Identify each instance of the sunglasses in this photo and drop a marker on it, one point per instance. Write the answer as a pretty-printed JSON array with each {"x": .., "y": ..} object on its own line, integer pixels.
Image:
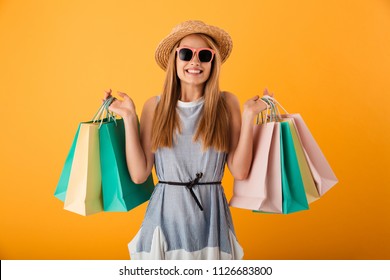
[{"x": 204, "y": 54}]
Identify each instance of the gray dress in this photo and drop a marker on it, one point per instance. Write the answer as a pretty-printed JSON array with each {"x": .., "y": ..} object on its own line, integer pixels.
[{"x": 174, "y": 226}]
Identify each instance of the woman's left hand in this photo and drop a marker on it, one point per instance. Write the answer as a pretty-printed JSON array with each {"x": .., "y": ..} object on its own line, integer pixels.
[{"x": 255, "y": 105}]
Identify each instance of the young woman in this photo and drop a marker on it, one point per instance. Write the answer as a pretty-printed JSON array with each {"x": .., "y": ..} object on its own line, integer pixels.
[{"x": 189, "y": 133}]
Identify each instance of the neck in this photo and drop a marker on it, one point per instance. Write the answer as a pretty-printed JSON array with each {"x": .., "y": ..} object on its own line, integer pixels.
[{"x": 191, "y": 93}]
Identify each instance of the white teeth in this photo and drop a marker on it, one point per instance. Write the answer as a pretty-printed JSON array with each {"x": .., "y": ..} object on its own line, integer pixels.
[{"x": 193, "y": 71}]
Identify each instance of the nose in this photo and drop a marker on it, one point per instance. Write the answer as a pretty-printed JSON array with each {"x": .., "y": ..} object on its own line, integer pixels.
[{"x": 195, "y": 58}]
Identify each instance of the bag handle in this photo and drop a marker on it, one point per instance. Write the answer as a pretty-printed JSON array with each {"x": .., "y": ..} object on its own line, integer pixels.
[
  {"x": 274, "y": 110},
  {"x": 103, "y": 112},
  {"x": 261, "y": 113},
  {"x": 271, "y": 112},
  {"x": 274, "y": 101}
]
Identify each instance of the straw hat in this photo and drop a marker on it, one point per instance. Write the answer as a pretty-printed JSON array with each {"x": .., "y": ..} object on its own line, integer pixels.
[{"x": 221, "y": 38}]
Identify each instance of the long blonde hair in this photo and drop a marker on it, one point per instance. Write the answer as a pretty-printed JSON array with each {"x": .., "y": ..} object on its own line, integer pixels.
[{"x": 213, "y": 127}]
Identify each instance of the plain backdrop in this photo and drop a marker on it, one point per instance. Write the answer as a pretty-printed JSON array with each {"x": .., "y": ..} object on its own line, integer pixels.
[{"x": 328, "y": 60}]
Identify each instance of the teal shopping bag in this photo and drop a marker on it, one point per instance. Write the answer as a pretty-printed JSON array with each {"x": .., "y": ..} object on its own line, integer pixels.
[
  {"x": 120, "y": 193},
  {"x": 62, "y": 185},
  {"x": 293, "y": 191}
]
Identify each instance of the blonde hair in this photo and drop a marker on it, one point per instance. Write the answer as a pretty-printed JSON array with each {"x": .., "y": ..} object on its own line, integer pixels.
[{"x": 213, "y": 127}]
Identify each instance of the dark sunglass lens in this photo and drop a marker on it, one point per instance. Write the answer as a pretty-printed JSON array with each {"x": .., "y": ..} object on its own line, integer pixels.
[
  {"x": 185, "y": 54},
  {"x": 205, "y": 55}
]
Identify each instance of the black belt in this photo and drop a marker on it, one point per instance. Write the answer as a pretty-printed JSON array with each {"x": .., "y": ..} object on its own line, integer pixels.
[{"x": 190, "y": 185}]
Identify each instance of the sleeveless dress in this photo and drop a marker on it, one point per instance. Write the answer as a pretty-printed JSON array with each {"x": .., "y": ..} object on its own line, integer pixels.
[{"x": 174, "y": 226}]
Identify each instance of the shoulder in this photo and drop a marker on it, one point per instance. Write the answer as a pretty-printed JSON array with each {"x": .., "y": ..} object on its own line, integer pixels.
[
  {"x": 231, "y": 100},
  {"x": 152, "y": 101},
  {"x": 151, "y": 104},
  {"x": 149, "y": 107}
]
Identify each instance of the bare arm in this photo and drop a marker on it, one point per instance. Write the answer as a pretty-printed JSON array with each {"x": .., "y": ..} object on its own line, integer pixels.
[
  {"x": 240, "y": 154},
  {"x": 139, "y": 155}
]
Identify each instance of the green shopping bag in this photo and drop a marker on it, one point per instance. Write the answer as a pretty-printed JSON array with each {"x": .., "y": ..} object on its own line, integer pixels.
[
  {"x": 293, "y": 191},
  {"x": 120, "y": 193},
  {"x": 62, "y": 185},
  {"x": 96, "y": 164}
]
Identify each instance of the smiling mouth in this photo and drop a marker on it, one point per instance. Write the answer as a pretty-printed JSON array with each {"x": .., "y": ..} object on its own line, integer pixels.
[{"x": 193, "y": 71}]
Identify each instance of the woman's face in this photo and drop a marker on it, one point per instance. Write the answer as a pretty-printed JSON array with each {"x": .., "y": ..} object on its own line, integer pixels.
[{"x": 193, "y": 72}]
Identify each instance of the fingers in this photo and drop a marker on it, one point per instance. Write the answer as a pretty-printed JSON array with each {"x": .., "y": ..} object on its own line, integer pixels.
[
  {"x": 122, "y": 94},
  {"x": 113, "y": 103},
  {"x": 107, "y": 93},
  {"x": 116, "y": 102},
  {"x": 126, "y": 98},
  {"x": 266, "y": 92}
]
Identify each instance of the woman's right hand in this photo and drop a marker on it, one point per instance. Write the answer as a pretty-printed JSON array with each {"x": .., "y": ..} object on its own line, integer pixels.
[{"x": 123, "y": 108}]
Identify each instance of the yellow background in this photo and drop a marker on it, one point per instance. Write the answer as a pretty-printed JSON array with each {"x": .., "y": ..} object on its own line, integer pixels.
[{"x": 327, "y": 59}]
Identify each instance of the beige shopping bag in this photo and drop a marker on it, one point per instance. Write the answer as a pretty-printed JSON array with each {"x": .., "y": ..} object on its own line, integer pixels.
[{"x": 84, "y": 193}]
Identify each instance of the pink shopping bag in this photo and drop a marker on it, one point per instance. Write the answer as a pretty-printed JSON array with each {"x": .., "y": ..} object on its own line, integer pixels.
[{"x": 262, "y": 190}]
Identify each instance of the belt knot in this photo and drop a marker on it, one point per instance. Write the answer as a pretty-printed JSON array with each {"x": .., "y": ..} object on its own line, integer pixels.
[{"x": 194, "y": 182}]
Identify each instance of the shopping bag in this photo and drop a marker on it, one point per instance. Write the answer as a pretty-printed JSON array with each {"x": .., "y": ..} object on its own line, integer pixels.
[
  {"x": 262, "y": 190},
  {"x": 307, "y": 178},
  {"x": 62, "y": 185},
  {"x": 84, "y": 195},
  {"x": 321, "y": 171},
  {"x": 79, "y": 186},
  {"x": 294, "y": 196},
  {"x": 120, "y": 193},
  {"x": 305, "y": 174}
]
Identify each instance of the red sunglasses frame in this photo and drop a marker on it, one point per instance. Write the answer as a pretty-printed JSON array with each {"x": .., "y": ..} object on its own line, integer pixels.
[{"x": 195, "y": 51}]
